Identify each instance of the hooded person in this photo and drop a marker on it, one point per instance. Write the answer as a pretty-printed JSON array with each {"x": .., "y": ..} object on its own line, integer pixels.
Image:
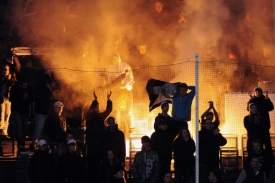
[
  {"x": 120, "y": 72},
  {"x": 120, "y": 79}
]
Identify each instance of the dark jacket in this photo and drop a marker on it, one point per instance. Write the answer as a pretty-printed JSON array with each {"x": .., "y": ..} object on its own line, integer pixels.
[
  {"x": 146, "y": 165},
  {"x": 172, "y": 129},
  {"x": 108, "y": 170},
  {"x": 209, "y": 147},
  {"x": 252, "y": 178},
  {"x": 264, "y": 159},
  {"x": 18, "y": 103},
  {"x": 184, "y": 152},
  {"x": 75, "y": 117},
  {"x": 42, "y": 99},
  {"x": 41, "y": 167},
  {"x": 264, "y": 106},
  {"x": 71, "y": 169},
  {"x": 254, "y": 126},
  {"x": 113, "y": 141},
  {"x": 95, "y": 124},
  {"x": 55, "y": 128},
  {"x": 162, "y": 142}
]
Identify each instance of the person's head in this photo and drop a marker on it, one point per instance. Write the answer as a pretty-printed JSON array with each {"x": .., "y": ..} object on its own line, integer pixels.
[
  {"x": 258, "y": 91},
  {"x": 184, "y": 133},
  {"x": 145, "y": 141},
  {"x": 95, "y": 106},
  {"x": 58, "y": 107},
  {"x": 167, "y": 177},
  {"x": 6, "y": 70},
  {"x": 142, "y": 49},
  {"x": 158, "y": 6},
  {"x": 253, "y": 108},
  {"x": 111, "y": 123},
  {"x": 115, "y": 59},
  {"x": 162, "y": 124},
  {"x": 209, "y": 116},
  {"x": 110, "y": 155},
  {"x": 183, "y": 88},
  {"x": 164, "y": 107},
  {"x": 254, "y": 162},
  {"x": 69, "y": 135},
  {"x": 207, "y": 124},
  {"x": 42, "y": 145},
  {"x": 257, "y": 146},
  {"x": 22, "y": 82},
  {"x": 214, "y": 175},
  {"x": 71, "y": 144}
]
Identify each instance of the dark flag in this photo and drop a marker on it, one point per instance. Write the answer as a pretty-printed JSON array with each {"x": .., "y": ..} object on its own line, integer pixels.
[{"x": 160, "y": 91}]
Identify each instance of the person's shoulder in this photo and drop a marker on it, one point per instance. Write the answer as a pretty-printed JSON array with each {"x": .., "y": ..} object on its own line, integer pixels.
[
  {"x": 178, "y": 140},
  {"x": 191, "y": 141},
  {"x": 120, "y": 132},
  {"x": 158, "y": 116},
  {"x": 154, "y": 133},
  {"x": 139, "y": 154},
  {"x": 246, "y": 117}
]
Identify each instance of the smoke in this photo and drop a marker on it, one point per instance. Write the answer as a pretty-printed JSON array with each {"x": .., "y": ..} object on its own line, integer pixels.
[{"x": 83, "y": 34}]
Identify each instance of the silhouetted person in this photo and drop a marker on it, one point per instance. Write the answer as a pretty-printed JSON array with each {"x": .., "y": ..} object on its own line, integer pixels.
[
  {"x": 214, "y": 176},
  {"x": 42, "y": 165},
  {"x": 209, "y": 147},
  {"x": 184, "y": 160},
  {"x": 254, "y": 126},
  {"x": 56, "y": 125},
  {"x": 113, "y": 138},
  {"x": 264, "y": 106},
  {"x": 70, "y": 166},
  {"x": 161, "y": 142},
  {"x": 171, "y": 126},
  {"x": 111, "y": 170},
  {"x": 8, "y": 80},
  {"x": 22, "y": 98},
  {"x": 94, "y": 129},
  {"x": 62, "y": 147},
  {"x": 208, "y": 114},
  {"x": 43, "y": 93}
]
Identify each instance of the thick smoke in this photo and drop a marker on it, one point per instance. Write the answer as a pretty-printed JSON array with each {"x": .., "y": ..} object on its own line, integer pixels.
[{"x": 83, "y": 34}]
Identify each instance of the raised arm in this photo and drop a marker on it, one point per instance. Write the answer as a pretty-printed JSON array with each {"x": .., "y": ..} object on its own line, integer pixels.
[
  {"x": 193, "y": 90},
  {"x": 17, "y": 63},
  {"x": 129, "y": 78},
  {"x": 109, "y": 107},
  {"x": 204, "y": 114}
]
